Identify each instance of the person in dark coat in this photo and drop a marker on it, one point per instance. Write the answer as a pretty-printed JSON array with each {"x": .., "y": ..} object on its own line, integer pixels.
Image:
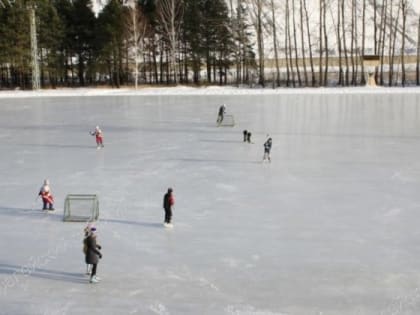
[
  {"x": 168, "y": 202},
  {"x": 245, "y": 133},
  {"x": 92, "y": 253},
  {"x": 248, "y": 137},
  {"x": 267, "y": 149},
  {"x": 221, "y": 114}
]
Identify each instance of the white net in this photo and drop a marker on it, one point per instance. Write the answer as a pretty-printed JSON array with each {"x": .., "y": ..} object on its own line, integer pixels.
[
  {"x": 81, "y": 208},
  {"x": 228, "y": 121}
]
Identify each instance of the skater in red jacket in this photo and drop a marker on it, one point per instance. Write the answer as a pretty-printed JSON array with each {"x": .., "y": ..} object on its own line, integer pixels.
[
  {"x": 99, "y": 137},
  {"x": 47, "y": 197}
]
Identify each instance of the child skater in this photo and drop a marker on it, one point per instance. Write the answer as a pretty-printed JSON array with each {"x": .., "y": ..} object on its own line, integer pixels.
[
  {"x": 47, "y": 197},
  {"x": 99, "y": 137}
]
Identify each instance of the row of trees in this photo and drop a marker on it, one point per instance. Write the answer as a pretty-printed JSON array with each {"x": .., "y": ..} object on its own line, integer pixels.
[{"x": 281, "y": 43}]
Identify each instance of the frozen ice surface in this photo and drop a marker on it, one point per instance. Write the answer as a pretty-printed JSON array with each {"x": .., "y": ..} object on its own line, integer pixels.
[{"x": 329, "y": 227}]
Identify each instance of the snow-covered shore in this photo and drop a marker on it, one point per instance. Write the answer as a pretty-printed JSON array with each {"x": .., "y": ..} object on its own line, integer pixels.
[{"x": 214, "y": 90}]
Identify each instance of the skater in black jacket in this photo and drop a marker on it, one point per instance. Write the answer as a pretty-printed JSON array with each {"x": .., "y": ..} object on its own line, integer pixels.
[{"x": 168, "y": 202}]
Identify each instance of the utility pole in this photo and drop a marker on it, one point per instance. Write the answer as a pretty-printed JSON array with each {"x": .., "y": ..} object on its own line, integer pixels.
[{"x": 34, "y": 49}]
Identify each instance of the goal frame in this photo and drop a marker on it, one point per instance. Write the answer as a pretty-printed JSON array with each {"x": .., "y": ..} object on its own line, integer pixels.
[
  {"x": 92, "y": 213},
  {"x": 228, "y": 121}
]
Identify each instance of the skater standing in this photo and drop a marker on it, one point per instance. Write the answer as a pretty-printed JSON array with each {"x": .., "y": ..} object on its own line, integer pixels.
[
  {"x": 99, "y": 137},
  {"x": 267, "y": 149},
  {"x": 222, "y": 110},
  {"x": 92, "y": 253},
  {"x": 168, "y": 202},
  {"x": 248, "y": 137},
  {"x": 87, "y": 231},
  {"x": 47, "y": 197},
  {"x": 245, "y": 133}
]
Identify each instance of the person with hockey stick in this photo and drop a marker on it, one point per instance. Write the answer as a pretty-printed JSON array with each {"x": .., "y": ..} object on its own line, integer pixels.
[
  {"x": 92, "y": 253},
  {"x": 46, "y": 196},
  {"x": 220, "y": 116},
  {"x": 267, "y": 149},
  {"x": 99, "y": 137},
  {"x": 168, "y": 202}
]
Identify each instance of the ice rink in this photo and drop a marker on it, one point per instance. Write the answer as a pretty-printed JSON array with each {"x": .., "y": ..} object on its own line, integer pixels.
[{"x": 330, "y": 227}]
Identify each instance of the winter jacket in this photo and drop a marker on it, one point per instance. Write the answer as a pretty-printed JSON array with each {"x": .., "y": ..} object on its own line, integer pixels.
[
  {"x": 168, "y": 201},
  {"x": 92, "y": 252}
]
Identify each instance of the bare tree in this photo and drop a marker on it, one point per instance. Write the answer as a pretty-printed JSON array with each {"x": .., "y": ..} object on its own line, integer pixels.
[
  {"x": 363, "y": 79},
  {"x": 404, "y": 9},
  {"x": 275, "y": 44},
  {"x": 340, "y": 59},
  {"x": 321, "y": 47},
  {"x": 286, "y": 42},
  {"x": 169, "y": 14},
  {"x": 324, "y": 18},
  {"x": 308, "y": 32},
  {"x": 289, "y": 42},
  {"x": 343, "y": 24},
  {"x": 418, "y": 53},
  {"x": 137, "y": 25},
  {"x": 384, "y": 17},
  {"x": 353, "y": 42},
  {"x": 302, "y": 43},
  {"x": 295, "y": 44},
  {"x": 258, "y": 24}
]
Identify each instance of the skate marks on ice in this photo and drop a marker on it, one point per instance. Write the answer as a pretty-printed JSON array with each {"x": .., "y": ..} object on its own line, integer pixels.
[
  {"x": 158, "y": 308},
  {"x": 224, "y": 161},
  {"x": 402, "y": 178},
  {"x": 226, "y": 187},
  {"x": 235, "y": 263},
  {"x": 133, "y": 222},
  {"x": 32, "y": 213},
  {"x": 249, "y": 310}
]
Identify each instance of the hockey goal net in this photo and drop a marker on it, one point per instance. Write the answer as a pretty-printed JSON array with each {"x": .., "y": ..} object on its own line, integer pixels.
[
  {"x": 228, "y": 121},
  {"x": 81, "y": 208}
]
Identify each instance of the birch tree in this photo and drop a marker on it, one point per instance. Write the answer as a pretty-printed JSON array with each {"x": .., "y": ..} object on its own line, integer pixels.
[{"x": 169, "y": 14}]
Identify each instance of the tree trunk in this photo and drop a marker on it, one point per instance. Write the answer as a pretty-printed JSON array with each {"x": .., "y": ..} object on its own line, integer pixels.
[
  {"x": 404, "y": 26},
  {"x": 343, "y": 24},
  {"x": 260, "y": 41},
  {"x": 363, "y": 77},
  {"x": 340, "y": 61},
  {"x": 321, "y": 47},
  {"x": 295, "y": 44},
  {"x": 418, "y": 54},
  {"x": 302, "y": 43},
  {"x": 308, "y": 32},
  {"x": 275, "y": 45},
  {"x": 384, "y": 18},
  {"x": 324, "y": 12}
]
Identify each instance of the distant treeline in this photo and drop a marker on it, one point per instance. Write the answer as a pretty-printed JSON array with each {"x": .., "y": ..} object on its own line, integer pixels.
[{"x": 242, "y": 42}]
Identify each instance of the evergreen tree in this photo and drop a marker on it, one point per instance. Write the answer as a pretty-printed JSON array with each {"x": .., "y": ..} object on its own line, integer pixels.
[
  {"x": 111, "y": 30},
  {"x": 50, "y": 36},
  {"x": 81, "y": 35},
  {"x": 193, "y": 27},
  {"x": 15, "y": 45}
]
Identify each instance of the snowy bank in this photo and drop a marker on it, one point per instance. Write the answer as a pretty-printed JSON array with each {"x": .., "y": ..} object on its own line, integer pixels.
[{"x": 214, "y": 90}]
